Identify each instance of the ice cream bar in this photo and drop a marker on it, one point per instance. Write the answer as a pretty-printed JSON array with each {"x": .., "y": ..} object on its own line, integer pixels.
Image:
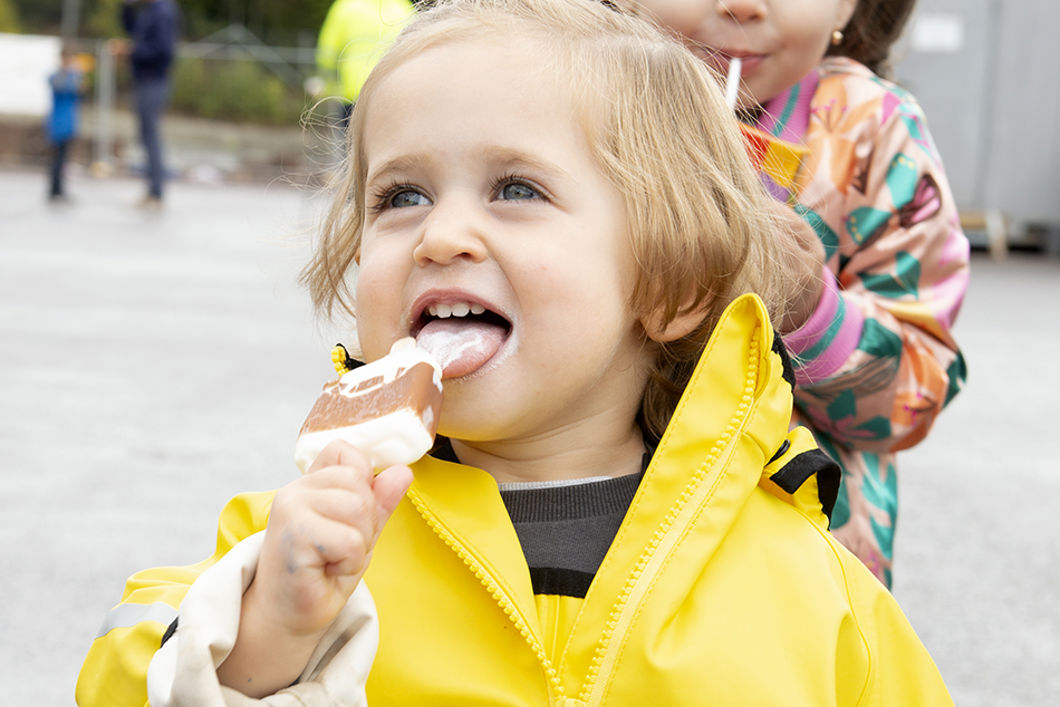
[{"x": 388, "y": 409}]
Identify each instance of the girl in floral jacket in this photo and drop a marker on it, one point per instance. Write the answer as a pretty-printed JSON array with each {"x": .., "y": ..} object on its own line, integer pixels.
[{"x": 850, "y": 152}]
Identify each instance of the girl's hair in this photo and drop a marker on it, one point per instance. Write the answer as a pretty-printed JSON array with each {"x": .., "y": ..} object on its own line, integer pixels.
[
  {"x": 873, "y": 28},
  {"x": 699, "y": 222}
]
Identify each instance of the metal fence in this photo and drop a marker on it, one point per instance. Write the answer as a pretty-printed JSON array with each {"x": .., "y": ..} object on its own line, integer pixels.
[{"x": 290, "y": 66}]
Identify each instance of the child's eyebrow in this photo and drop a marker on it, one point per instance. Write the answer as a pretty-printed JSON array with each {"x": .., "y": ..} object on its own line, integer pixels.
[
  {"x": 513, "y": 159},
  {"x": 396, "y": 165},
  {"x": 499, "y": 158}
]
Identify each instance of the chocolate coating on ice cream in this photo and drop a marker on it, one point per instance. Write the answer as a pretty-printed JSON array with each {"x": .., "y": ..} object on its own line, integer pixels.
[
  {"x": 388, "y": 409},
  {"x": 342, "y": 404}
]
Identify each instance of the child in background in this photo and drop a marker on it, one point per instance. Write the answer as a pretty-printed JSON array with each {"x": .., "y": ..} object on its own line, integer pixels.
[
  {"x": 616, "y": 511},
  {"x": 875, "y": 358},
  {"x": 62, "y": 121}
]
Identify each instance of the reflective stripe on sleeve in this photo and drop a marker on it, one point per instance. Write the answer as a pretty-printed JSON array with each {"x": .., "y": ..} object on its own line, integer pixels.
[{"x": 125, "y": 615}]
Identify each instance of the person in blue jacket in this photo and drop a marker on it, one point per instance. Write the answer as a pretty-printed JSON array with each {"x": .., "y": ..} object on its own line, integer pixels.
[
  {"x": 153, "y": 26},
  {"x": 62, "y": 120}
]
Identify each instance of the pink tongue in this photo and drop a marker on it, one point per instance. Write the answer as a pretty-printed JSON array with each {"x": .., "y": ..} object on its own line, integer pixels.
[{"x": 461, "y": 345}]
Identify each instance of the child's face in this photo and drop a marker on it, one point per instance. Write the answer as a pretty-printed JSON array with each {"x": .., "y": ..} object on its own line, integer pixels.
[
  {"x": 778, "y": 41},
  {"x": 482, "y": 195}
]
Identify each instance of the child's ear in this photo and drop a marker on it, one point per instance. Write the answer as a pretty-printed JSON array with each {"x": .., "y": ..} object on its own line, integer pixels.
[{"x": 683, "y": 324}]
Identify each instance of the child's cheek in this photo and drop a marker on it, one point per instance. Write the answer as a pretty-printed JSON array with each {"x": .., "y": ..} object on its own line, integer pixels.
[{"x": 378, "y": 303}]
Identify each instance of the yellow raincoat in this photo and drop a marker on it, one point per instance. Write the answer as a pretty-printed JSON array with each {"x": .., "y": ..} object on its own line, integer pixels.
[{"x": 722, "y": 587}]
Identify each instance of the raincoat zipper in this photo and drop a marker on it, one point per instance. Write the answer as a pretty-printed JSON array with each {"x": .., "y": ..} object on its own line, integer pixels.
[
  {"x": 664, "y": 539},
  {"x": 555, "y": 686}
]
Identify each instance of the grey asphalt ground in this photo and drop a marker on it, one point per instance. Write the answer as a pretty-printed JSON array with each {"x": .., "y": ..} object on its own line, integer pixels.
[{"x": 154, "y": 364}]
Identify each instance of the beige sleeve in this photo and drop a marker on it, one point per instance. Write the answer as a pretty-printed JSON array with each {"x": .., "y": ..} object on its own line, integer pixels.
[{"x": 183, "y": 672}]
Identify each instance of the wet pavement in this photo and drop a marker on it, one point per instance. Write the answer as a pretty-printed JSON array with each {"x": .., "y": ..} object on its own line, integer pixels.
[{"x": 153, "y": 364}]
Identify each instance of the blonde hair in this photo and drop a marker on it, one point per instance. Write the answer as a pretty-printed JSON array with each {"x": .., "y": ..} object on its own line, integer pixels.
[{"x": 700, "y": 223}]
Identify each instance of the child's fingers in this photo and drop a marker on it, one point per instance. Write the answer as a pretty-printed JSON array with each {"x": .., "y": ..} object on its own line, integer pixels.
[
  {"x": 340, "y": 453},
  {"x": 364, "y": 503},
  {"x": 343, "y": 478},
  {"x": 334, "y": 546},
  {"x": 354, "y": 507},
  {"x": 344, "y": 549},
  {"x": 330, "y": 518},
  {"x": 389, "y": 487}
]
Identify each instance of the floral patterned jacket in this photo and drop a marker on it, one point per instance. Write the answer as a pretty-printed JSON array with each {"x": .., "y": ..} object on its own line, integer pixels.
[{"x": 877, "y": 361}]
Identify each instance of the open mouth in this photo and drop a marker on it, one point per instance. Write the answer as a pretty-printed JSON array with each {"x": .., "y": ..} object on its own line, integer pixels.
[{"x": 462, "y": 335}]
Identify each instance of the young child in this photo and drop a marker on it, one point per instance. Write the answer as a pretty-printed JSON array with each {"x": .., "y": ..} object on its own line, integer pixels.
[
  {"x": 616, "y": 512},
  {"x": 62, "y": 120},
  {"x": 875, "y": 357}
]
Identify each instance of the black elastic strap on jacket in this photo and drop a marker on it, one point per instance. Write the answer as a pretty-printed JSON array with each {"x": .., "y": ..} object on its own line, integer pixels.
[
  {"x": 170, "y": 632},
  {"x": 787, "y": 372},
  {"x": 780, "y": 452},
  {"x": 801, "y": 467}
]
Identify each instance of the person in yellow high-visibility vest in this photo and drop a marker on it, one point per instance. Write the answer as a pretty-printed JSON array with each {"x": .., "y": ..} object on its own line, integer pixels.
[{"x": 354, "y": 35}]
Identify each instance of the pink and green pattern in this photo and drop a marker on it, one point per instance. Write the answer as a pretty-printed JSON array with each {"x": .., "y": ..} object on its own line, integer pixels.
[{"x": 876, "y": 362}]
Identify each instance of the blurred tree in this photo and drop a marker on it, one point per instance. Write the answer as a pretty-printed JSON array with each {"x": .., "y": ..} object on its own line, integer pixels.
[
  {"x": 277, "y": 22},
  {"x": 8, "y": 16},
  {"x": 239, "y": 91},
  {"x": 103, "y": 19},
  {"x": 39, "y": 15}
]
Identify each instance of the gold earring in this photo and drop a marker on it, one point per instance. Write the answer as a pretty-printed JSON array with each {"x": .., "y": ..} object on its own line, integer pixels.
[{"x": 837, "y": 37}]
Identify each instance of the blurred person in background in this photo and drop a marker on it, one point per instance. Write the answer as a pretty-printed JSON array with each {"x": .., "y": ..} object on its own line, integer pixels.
[
  {"x": 153, "y": 27},
  {"x": 61, "y": 127},
  {"x": 354, "y": 35}
]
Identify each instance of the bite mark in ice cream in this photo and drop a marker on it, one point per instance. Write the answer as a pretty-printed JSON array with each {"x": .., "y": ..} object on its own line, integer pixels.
[{"x": 388, "y": 409}]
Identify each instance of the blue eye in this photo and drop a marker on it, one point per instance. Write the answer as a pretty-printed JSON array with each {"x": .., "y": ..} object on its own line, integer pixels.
[
  {"x": 396, "y": 196},
  {"x": 406, "y": 197},
  {"x": 516, "y": 190}
]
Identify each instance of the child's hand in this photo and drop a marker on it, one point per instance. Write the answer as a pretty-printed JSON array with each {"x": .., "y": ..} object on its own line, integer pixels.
[
  {"x": 321, "y": 531},
  {"x": 119, "y": 47}
]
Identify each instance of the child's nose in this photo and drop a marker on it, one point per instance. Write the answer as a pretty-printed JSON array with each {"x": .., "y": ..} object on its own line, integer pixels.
[
  {"x": 452, "y": 231},
  {"x": 743, "y": 10}
]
